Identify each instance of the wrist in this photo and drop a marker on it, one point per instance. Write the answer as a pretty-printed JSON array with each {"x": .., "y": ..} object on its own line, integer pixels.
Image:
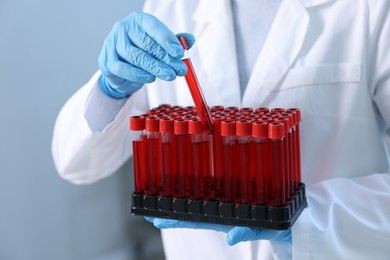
[{"x": 119, "y": 91}]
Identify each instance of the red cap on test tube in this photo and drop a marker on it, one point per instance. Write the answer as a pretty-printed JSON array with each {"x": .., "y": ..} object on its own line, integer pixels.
[
  {"x": 297, "y": 111},
  {"x": 285, "y": 121},
  {"x": 264, "y": 110},
  {"x": 180, "y": 127},
  {"x": 228, "y": 128},
  {"x": 231, "y": 109},
  {"x": 276, "y": 130},
  {"x": 243, "y": 128},
  {"x": 277, "y": 110},
  {"x": 217, "y": 108},
  {"x": 152, "y": 124},
  {"x": 137, "y": 123},
  {"x": 195, "y": 126},
  {"x": 260, "y": 129},
  {"x": 166, "y": 125}
]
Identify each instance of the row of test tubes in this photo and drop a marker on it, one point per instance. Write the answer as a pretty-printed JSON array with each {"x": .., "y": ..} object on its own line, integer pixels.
[{"x": 252, "y": 156}]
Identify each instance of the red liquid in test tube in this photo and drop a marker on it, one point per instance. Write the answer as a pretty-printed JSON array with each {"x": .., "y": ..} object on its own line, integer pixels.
[
  {"x": 137, "y": 126},
  {"x": 291, "y": 151},
  {"x": 218, "y": 162},
  {"x": 228, "y": 132},
  {"x": 244, "y": 136},
  {"x": 183, "y": 158},
  {"x": 152, "y": 155},
  {"x": 260, "y": 162},
  {"x": 201, "y": 157},
  {"x": 270, "y": 181},
  {"x": 297, "y": 114},
  {"x": 195, "y": 90},
  {"x": 286, "y": 151},
  {"x": 276, "y": 133},
  {"x": 168, "y": 156}
]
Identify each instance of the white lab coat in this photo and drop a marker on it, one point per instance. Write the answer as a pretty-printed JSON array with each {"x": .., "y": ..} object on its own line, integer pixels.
[{"x": 329, "y": 58}]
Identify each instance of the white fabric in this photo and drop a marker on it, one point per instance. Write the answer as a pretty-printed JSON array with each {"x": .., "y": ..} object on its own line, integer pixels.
[
  {"x": 330, "y": 59},
  {"x": 252, "y": 20}
]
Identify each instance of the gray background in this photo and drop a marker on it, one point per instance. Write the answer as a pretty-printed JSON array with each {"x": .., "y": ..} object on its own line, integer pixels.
[{"x": 48, "y": 49}]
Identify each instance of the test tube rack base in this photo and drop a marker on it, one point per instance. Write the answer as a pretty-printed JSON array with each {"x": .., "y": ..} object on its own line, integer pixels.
[{"x": 213, "y": 211}]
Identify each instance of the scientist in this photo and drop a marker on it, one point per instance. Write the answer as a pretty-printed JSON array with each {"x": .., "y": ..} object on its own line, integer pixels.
[{"x": 329, "y": 58}]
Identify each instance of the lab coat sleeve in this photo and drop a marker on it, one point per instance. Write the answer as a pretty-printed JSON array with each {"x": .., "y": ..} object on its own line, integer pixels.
[
  {"x": 82, "y": 156},
  {"x": 350, "y": 218}
]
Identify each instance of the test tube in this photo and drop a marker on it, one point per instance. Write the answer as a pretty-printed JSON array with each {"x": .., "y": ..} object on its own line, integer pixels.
[
  {"x": 246, "y": 109},
  {"x": 286, "y": 151},
  {"x": 231, "y": 110},
  {"x": 168, "y": 157},
  {"x": 297, "y": 145},
  {"x": 137, "y": 126},
  {"x": 183, "y": 157},
  {"x": 263, "y": 110},
  {"x": 228, "y": 132},
  {"x": 277, "y": 110},
  {"x": 217, "y": 108},
  {"x": 291, "y": 151},
  {"x": 201, "y": 161},
  {"x": 195, "y": 90},
  {"x": 244, "y": 136},
  {"x": 260, "y": 162},
  {"x": 218, "y": 162},
  {"x": 276, "y": 133},
  {"x": 152, "y": 155}
]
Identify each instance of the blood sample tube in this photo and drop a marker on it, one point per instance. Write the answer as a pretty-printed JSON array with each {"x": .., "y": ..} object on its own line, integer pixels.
[
  {"x": 153, "y": 111},
  {"x": 271, "y": 114},
  {"x": 251, "y": 117},
  {"x": 260, "y": 162},
  {"x": 201, "y": 160},
  {"x": 174, "y": 108},
  {"x": 195, "y": 90},
  {"x": 242, "y": 114},
  {"x": 228, "y": 132},
  {"x": 180, "y": 113},
  {"x": 244, "y": 136},
  {"x": 286, "y": 151},
  {"x": 231, "y": 110},
  {"x": 164, "y": 106},
  {"x": 277, "y": 110},
  {"x": 218, "y": 162},
  {"x": 257, "y": 113},
  {"x": 270, "y": 165},
  {"x": 217, "y": 108},
  {"x": 224, "y": 114},
  {"x": 297, "y": 144},
  {"x": 291, "y": 151},
  {"x": 233, "y": 118},
  {"x": 183, "y": 157},
  {"x": 246, "y": 109},
  {"x": 276, "y": 133},
  {"x": 152, "y": 155},
  {"x": 137, "y": 126},
  {"x": 167, "y": 157},
  {"x": 263, "y": 110}
]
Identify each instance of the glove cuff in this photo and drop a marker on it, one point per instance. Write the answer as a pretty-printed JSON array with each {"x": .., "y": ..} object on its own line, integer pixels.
[{"x": 107, "y": 89}]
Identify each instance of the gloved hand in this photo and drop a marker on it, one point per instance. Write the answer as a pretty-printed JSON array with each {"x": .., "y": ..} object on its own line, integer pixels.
[
  {"x": 138, "y": 49},
  {"x": 234, "y": 234}
]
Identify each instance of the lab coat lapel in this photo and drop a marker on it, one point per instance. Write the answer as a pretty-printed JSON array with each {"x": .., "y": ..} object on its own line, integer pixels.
[
  {"x": 284, "y": 41},
  {"x": 216, "y": 50}
]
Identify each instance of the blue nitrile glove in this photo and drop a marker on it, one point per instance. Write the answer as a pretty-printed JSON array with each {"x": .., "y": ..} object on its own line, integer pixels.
[
  {"x": 138, "y": 49},
  {"x": 234, "y": 234}
]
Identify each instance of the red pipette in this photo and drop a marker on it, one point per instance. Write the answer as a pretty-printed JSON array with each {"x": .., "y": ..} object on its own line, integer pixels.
[{"x": 195, "y": 90}]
